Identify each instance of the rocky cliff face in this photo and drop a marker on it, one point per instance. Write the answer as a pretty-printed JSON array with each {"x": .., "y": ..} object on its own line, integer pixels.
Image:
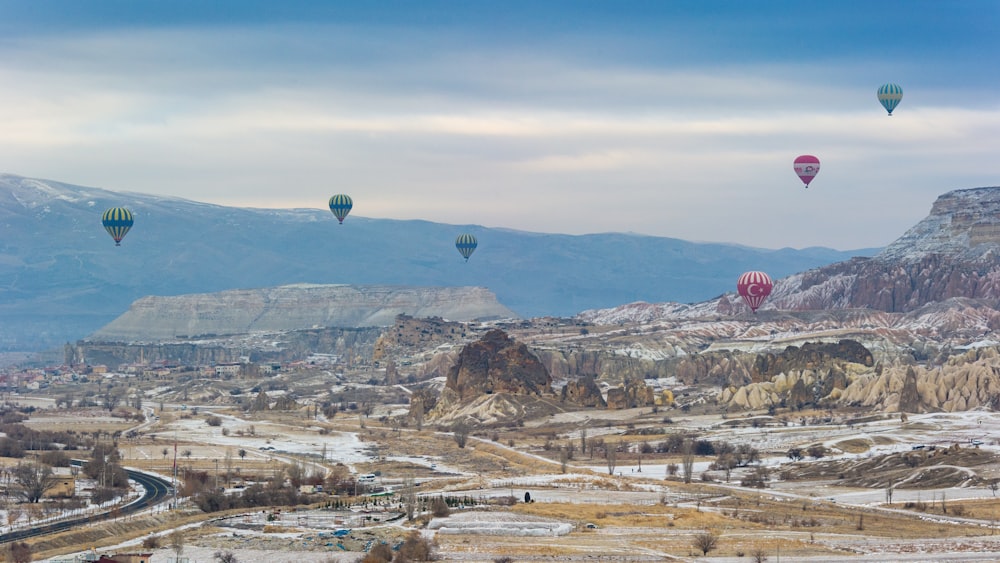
[
  {"x": 497, "y": 364},
  {"x": 584, "y": 392},
  {"x": 634, "y": 393},
  {"x": 295, "y": 307},
  {"x": 952, "y": 253},
  {"x": 263, "y": 347}
]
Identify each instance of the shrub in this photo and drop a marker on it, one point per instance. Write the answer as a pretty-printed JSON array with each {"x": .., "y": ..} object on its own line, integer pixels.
[{"x": 416, "y": 548}]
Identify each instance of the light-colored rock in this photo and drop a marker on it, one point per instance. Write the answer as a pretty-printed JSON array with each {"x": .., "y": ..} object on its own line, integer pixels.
[{"x": 294, "y": 307}]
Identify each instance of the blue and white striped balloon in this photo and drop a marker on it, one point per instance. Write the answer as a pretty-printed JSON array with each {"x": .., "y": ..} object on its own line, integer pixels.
[{"x": 889, "y": 96}]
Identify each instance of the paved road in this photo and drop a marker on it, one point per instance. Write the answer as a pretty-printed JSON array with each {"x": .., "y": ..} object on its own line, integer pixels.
[{"x": 156, "y": 491}]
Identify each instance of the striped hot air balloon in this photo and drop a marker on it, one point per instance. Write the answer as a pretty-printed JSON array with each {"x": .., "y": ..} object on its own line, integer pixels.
[
  {"x": 341, "y": 205},
  {"x": 807, "y": 167},
  {"x": 889, "y": 96},
  {"x": 117, "y": 221},
  {"x": 754, "y": 287},
  {"x": 466, "y": 245}
]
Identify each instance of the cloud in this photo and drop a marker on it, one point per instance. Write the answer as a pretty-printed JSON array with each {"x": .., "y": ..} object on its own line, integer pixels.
[{"x": 416, "y": 125}]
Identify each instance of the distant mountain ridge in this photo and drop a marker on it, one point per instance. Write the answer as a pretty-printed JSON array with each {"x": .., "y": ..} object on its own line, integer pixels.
[{"x": 62, "y": 278}]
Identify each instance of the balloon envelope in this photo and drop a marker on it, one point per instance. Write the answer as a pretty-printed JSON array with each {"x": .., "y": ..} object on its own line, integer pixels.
[
  {"x": 754, "y": 287},
  {"x": 889, "y": 96},
  {"x": 807, "y": 167},
  {"x": 466, "y": 245},
  {"x": 341, "y": 205},
  {"x": 117, "y": 221}
]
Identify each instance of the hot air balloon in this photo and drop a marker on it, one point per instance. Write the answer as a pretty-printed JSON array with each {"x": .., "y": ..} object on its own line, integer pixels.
[
  {"x": 341, "y": 205},
  {"x": 117, "y": 221},
  {"x": 807, "y": 167},
  {"x": 889, "y": 96},
  {"x": 754, "y": 287},
  {"x": 466, "y": 245}
]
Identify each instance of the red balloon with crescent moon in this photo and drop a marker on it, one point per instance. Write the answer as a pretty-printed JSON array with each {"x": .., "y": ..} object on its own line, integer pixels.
[
  {"x": 754, "y": 287},
  {"x": 807, "y": 167}
]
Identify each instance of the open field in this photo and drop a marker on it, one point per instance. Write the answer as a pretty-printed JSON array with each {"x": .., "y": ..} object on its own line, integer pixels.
[{"x": 635, "y": 512}]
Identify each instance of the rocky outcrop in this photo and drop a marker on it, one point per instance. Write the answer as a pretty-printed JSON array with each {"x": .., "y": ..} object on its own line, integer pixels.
[
  {"x": 967, "y": 381},
  {"x": 584, "y": 392},
  {"x": 264, "y": 347},
  {"x": 909, "y": 395},
  {"x": 497, "y": 364},
  {"x": 951, "y": 253},
  {"x": 814, "y": 374},
  {"x": 294, "y": 307},
  {"x": 634, "y": 393},
  {"x": 812, "y": 355},
  {"x": 891, "y": 285},
  {"x": 408, "y": 334}
]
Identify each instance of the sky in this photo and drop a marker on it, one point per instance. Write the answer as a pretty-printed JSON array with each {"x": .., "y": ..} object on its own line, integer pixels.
[{"x": 668, "y": 118}]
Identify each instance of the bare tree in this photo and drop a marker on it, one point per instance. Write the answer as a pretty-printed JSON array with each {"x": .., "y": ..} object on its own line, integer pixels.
[
  {"x": 14, "y": 514},
  {"x": 33, "y": 480},
  {"x": 460, "y": 431},
  {"x": 408, "y": 497},
  {"x": 758, "y": 555},
  {"x": 225, "y": 557},
  {"x": 687, "y": 460},
  {"x": 176, "y": 542},
  {"x": 229, "y": 464},
  {"x": 706, "y": 541},
  {"x": 112, "y": 398},
  {"x": 611, "y": 455}
]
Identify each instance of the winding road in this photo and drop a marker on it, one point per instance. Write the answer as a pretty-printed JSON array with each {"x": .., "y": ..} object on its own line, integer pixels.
[{"x": 156, "y": 490}]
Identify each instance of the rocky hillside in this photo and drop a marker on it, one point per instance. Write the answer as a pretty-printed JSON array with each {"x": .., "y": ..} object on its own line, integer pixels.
[
  {"x": 294, "y": 307},
  {"x": 497, "y": 364},
  {"x": 952, "y": 253}
]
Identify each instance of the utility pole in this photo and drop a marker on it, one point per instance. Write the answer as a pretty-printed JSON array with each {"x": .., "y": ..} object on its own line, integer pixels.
[{"x": 174, "y": 480}]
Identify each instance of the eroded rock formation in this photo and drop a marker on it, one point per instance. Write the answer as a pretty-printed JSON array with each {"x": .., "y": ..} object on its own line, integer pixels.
[{"x": 497, "y": 364}]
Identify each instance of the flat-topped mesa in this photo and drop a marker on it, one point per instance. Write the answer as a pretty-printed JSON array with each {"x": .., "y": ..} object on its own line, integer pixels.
[{"x": 295, "y": 307}]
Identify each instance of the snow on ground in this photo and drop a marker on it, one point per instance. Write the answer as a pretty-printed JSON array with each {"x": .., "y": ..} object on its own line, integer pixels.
[
  {"x": 345, "y": 447},
  {"x": 493, "y": 523}
]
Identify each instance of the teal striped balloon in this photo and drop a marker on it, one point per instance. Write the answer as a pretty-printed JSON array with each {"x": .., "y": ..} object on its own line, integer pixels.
[
  {"x": 466, "y": 245},
  {"x": 889, "y": 96},
  {"x": 117, "y": 221},
  {"x": 341, "y": 205}
]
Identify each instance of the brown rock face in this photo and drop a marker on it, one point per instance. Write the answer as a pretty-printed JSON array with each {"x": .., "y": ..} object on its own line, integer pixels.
[
  {"x": 497, "y": 364},
  {"x": 909, "y": 395},
  {"x": 894, "y": 286},
  {"x": 635, "y": 393},
  {"x": 812, "y": 355},
  {"x": 584, "y": 392}
]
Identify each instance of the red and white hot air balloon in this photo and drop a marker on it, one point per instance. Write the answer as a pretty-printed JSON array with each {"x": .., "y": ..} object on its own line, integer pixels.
[
  {"x": 807, "y": 167},
  {"x": 754, "y": 287}
]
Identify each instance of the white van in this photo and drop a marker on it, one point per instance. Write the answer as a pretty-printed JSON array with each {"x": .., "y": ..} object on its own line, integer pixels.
[{"x": 366, "y": 479}]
